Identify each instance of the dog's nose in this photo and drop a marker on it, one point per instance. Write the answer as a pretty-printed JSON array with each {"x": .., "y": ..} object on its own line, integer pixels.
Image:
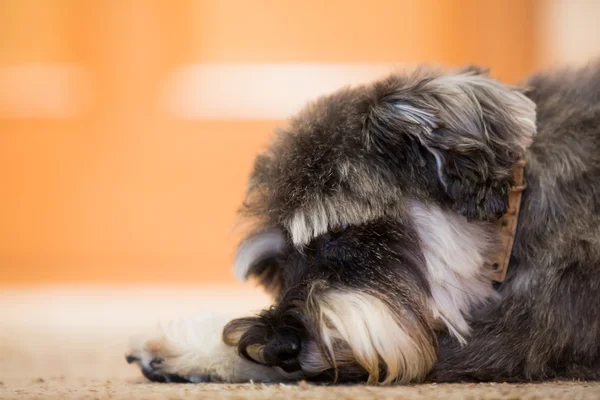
[{"x": 282, "y": 351}]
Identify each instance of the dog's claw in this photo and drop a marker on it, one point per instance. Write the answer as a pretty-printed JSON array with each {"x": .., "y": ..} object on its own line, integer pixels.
[
  {"x": 158, "y": 376},
  {"x": 131, "y": 359},
  {"x": 153, "y": 372}
]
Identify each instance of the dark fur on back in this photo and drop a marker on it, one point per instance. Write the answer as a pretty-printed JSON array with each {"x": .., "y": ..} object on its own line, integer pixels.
[{"x": 548, "y": 322}]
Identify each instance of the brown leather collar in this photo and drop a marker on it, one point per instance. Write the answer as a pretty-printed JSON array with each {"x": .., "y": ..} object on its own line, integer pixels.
[{"x": 508, "y": 223}]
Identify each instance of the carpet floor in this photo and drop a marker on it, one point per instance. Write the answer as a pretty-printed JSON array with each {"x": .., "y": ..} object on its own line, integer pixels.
[{"x": 68, "y": 343}]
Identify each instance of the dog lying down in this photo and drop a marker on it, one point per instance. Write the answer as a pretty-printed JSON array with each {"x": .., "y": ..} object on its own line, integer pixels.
[{"x": 378, "y": 213}]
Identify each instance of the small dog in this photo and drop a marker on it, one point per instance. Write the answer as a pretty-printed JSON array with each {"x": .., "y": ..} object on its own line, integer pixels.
[{"x": 375, "y": 216}]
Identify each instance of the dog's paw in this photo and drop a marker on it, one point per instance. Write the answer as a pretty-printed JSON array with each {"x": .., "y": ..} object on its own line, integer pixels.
[
  {"x": 158, "y": 365},
  {"x": 192, "y": 350},
  {"x": 187, "y": 350},
  {"x": 153, "y": 371}
]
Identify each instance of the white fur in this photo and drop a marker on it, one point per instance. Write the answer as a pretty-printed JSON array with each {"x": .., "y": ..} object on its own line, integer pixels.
[
  {"x": 454, "y": 251},
  {"x": 256, "y": 248},
  {"x": 417, "y": 115},
  {"x": 305, "y": 226},
  {"x": 326, "y": 214},
  {"x": 372, "y": 332},
  {"x": 193, "y": 348}
]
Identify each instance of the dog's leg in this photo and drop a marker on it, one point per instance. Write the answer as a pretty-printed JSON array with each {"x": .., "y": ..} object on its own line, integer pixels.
[
  {"x": 520, "y": 343},
  {"x": 497, "y": 349},
  {"x": 192, "y": 350},
  {"x": 477, "y": 361}
]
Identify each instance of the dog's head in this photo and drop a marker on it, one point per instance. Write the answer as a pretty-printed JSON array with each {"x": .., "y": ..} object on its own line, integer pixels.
[{"x": 372, "y": 213}]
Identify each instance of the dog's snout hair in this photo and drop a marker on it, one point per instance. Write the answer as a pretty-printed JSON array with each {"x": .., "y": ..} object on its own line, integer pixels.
[
  {"x": 360, "y": 311},
  {"x": 358, "y": 328},
  {"x": 352, "y": 331}
]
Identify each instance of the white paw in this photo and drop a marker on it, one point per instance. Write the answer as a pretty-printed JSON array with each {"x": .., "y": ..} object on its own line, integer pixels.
[{"x": 192, "y": 350}]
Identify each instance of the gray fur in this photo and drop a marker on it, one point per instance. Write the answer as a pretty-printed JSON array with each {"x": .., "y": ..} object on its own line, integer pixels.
[{"x": 547, "y": 324}]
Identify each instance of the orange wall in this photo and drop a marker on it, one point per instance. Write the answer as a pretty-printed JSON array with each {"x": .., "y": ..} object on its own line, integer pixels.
[{"x": 121, "y": 191}]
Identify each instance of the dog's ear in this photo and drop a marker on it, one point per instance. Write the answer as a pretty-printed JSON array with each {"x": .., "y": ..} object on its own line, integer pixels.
[
  {"x": 474, "y": 126},
  {"x": 260, "y": 256}
]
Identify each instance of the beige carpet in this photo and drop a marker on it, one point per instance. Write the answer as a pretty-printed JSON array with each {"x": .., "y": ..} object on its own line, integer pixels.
[{"x": 68, "y": 343}]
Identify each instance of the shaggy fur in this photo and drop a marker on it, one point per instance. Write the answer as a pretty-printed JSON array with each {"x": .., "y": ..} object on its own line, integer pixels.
[{"x": 374, "y": 230}]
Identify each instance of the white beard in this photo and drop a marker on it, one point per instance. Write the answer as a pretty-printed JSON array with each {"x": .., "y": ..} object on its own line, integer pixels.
[{"x": 455, "y": 251}]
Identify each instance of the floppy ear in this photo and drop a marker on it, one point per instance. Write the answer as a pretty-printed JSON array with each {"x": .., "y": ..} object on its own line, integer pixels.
[
  {"x": 260, "y": 256},
  {"x": 476, "y": 128}
]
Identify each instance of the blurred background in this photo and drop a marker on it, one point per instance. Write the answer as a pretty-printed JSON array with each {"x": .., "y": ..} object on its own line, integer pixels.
[{"x": 128, "y": 127}]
